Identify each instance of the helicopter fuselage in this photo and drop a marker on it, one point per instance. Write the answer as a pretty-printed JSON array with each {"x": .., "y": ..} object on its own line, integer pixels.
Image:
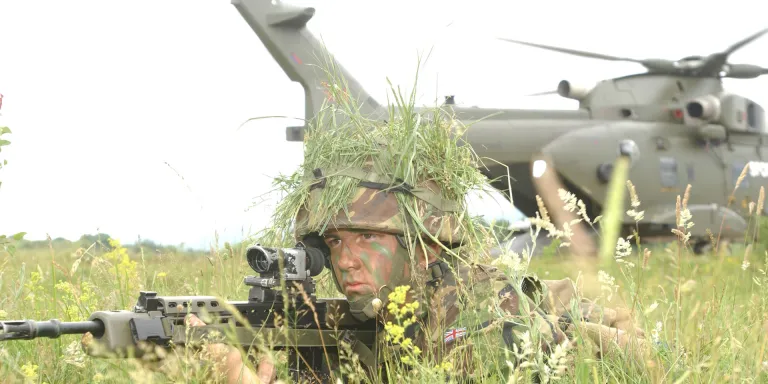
[{"x": 678, "y": 123}]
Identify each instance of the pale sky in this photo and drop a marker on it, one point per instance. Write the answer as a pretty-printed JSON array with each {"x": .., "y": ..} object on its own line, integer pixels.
[{"x": 103, "y": 96}]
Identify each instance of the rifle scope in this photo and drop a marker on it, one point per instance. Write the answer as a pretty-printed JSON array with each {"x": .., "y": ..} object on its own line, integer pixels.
[{"x": 266, "y": 259}]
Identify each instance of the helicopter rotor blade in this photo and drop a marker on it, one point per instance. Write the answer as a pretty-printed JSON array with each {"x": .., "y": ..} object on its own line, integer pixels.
[
  {"x": 714, "y": 63},
  {"x": 657, "y": 65},
  {"x": 572, "y": 51},
  {"x": 745, "y": 71},
  {"x": 542, "y": 93},
  {"x": 744, "y": 42}
]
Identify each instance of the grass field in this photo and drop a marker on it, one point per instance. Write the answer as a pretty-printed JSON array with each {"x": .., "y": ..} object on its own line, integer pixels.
[
  {"x": 709, "y": 314},
  {"x": 706, "y": 317}
]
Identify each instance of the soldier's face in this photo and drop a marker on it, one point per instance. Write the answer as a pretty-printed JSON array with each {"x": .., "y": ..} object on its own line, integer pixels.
[{"x": 364, "y": 261}]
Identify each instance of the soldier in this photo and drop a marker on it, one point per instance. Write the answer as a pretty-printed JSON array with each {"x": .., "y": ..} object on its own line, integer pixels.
[{"x": 405, "y": 253}]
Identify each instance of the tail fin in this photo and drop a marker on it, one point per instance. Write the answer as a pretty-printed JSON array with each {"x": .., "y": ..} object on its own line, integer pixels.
[{"x": 282, "y": 30}]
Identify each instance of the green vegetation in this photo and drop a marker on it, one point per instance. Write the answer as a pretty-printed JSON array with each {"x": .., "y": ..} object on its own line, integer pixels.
[
  {"x": 705, "y": 317},
  {"x": 709, "y": 314},
  {"x": 7, "y": 242}
]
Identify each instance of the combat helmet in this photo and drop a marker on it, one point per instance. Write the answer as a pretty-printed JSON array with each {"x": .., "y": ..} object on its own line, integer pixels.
[
  {"x": 407, "y": 176},
  {"x": 383, "y": 202}
]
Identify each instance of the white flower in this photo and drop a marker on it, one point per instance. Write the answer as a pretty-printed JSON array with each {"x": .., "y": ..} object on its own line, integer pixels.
[
  {"x": 655, "y": 334},
  {"x": 607, "y": 283},
  {"x": 651, "y": 308}
]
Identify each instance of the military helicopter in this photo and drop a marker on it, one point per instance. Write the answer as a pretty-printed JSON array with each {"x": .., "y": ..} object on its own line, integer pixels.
[{"x": 676, "y": 123}]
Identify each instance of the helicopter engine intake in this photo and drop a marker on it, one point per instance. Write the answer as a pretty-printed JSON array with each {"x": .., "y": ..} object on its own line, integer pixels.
[
  {"x": 569, "y": 91},
  {"x": 704, "y": 108}
]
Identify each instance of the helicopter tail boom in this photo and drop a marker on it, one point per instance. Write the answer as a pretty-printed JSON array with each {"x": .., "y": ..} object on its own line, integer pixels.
[{"x": 282, "y": 29}]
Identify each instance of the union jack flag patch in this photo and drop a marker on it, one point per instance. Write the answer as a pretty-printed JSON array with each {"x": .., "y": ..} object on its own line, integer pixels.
[{"x": 454, "y": 334}]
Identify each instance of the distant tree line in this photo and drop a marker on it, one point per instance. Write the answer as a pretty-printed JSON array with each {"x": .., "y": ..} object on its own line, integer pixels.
[{"x": 99, "y": 242}]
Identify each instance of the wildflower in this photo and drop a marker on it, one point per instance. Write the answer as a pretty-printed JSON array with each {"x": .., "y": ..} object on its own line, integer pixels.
[
  {"x": 572, "y": 203},
  {"x": 636, "y": 215},
  {"x": 744, "y": 265},
  {"x": 162, "y": 274},
  {"x": 396, "y": 332},
  {"x": 683, "y": 222},
  {"x": 635, "y": 202},
  {"x": 558, "y": 361},
  {"x": 623, "y": 249},
  {"x": 655, "y": 334},
  {"x": 511, "y": 260},
  {"x": 74, "y": 354},
  {"x": 688, "y": 286},
  {"x": 542, "y": 209},
  {"x": 646, "y": 257},
  {"x": 527, "y": 350},
  {"x": 29, "y": 371},
  {"x": 685, "y": 219},
  {"x": 651, "y": 308},
  {"x": 607, "y": 283}
]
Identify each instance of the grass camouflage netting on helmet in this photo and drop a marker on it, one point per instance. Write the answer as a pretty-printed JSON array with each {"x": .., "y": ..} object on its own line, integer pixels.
[{"x": 412, "y": 148}]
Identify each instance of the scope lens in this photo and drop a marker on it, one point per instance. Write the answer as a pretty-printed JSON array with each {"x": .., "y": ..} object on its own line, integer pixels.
[{"x": 259, "y": 259}]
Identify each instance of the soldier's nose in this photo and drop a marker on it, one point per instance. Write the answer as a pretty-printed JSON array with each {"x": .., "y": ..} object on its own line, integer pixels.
[{"x": 347, "y": 258}]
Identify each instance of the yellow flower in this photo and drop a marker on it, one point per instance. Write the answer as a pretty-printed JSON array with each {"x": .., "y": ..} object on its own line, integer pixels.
[{"x": 30, "y": 371}]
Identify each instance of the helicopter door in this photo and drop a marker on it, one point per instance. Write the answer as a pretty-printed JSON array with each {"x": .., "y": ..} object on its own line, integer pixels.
[{"x": 682, "y": 161}]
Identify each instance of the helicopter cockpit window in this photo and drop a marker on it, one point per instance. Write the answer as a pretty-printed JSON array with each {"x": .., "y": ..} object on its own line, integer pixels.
[{"x": 668, "y": 172}]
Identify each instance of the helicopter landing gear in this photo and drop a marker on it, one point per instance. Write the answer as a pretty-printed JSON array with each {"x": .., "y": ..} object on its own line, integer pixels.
[{"x": 702, "y": 246}]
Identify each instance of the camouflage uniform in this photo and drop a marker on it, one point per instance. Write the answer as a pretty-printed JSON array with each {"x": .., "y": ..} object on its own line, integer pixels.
[
  {"x": 477, "y": 327},
  {"x": 476, "y": 317},
  {"x": 469, "y": 315}
]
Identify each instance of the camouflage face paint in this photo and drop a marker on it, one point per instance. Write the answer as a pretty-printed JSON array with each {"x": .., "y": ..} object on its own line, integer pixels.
[
  {"x": 383, "y": 270},
  {"x": 375, "y": 264},
  {"x": 375, "y": 267}
]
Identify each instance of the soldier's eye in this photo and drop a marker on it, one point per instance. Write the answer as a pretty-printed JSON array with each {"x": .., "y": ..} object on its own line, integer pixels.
[
  {"x": 369, "y": 236},
  {"x": 332, "y": 242}
]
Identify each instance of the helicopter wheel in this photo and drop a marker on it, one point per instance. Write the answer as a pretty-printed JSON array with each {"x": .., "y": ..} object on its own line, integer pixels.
[{"x": 702, "y": 246}]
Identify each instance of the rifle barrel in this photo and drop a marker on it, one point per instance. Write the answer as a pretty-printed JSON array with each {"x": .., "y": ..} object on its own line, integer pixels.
[{"x": 30, "y": 329}]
